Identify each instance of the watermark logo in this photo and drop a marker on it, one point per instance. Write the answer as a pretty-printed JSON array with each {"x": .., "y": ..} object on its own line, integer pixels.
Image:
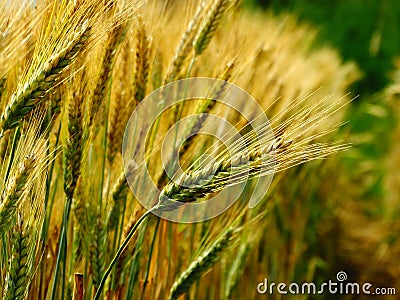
[
  {"x": 338, "y": 287},
  {"x": 168, "y": 118}
]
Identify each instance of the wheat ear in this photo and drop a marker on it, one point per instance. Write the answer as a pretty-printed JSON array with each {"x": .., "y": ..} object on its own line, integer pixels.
[
  {"x": 118, "y": 195},
  {"x": 74, "y": 144},
  {"x": 257, "y": 154},
  {"x": 21, "y": 263},
  {"x": 103, "y": 82},
  {"x": 14, "y": 192},
  {"x": 97, "y": 251},
  {"x": 47, "y": 76},
  {"x": 80, "y": 224},
  {"x": 2, "y": 85},
  {"x": 121, "y": 107},
  {"x": 78, "y": 287},
  {"x": 185, "y": 46},
  {"x": 205, "y": 109},
  {"x": 142, "y": 65},
  {"x": 202, "y": 113},
  {"x": 210, "y": 25},
  {"x": 204, "y": 262},
  {"x": 236, "y": 271}
]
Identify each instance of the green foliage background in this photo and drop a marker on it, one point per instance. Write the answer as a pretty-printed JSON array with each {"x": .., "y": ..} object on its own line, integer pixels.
[{"x": 366, "y": 31}]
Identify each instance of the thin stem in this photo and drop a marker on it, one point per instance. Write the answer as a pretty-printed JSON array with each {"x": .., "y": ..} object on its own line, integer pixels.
[
  {"x": 120, "y": 250},
  {"x": 146, "y": 277},
  {"x": 62, "y": 245}
]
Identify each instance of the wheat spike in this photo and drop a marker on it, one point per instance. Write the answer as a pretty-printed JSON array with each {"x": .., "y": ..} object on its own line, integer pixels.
[
  {"x": 47, "y": 76},
  {"x": 210, "y": 25},
  {"x": 103, "y": 82},
  {"x": 2, "y": 85},
  {"x": 24, "y": 237},
  {"x": 80, "y": 224},
  {"x": 201, "y": 264},
  {"x": 74, "y": 144},
  {"x": 118, "y": 195},
  {"x": 236, "y": 271},
  {"x": 20, "y": 264},
  {"x": 121, "y": 107},
  {"x": 142, "y": 58},
  {"x": 97, "y": 251},
  {"x": 205, "y": 109},
  {"x": 185, "y": 46},
  {"x": 14, "y": 192},
  {"x": 255, "y": 156}
]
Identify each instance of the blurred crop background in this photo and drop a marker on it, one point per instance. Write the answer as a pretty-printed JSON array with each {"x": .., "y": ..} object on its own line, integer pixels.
[
  {"x": 367, "y": 201},
  {"x": 71, "y": 77},
  {"x": 368, "y": 33}
]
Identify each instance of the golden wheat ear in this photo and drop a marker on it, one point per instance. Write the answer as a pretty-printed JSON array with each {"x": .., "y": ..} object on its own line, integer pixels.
[
  {"x": 256, "y": 154},
  {"x": 26, "y": 164}
]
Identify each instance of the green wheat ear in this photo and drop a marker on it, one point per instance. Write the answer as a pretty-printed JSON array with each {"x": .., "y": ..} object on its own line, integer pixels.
[
  {"x": 199, "y": 266},
  {"x": 15, "y": 192},
  {"x": 20, "y": 264}
]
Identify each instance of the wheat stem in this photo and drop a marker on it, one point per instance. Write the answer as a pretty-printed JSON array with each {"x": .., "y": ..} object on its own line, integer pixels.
[{"x": 120, "y": 250}]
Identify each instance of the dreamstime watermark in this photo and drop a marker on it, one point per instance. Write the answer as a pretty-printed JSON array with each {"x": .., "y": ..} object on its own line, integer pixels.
[
  {"x": 340, "y": 286},
  {"x": 146, "y": 133}
]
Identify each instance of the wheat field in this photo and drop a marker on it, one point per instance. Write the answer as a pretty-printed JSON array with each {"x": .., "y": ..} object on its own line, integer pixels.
[{"x": 73, "y": 72}]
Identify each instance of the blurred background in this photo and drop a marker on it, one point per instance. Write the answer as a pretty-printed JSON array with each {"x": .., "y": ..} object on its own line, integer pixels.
[
  {"x": 367, "y": 32},
  {"x": 364, "y": 237}
]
